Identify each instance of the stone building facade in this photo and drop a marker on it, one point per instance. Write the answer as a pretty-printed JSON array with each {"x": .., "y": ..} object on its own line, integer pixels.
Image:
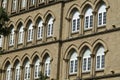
[{"x": 64, "y": 39}]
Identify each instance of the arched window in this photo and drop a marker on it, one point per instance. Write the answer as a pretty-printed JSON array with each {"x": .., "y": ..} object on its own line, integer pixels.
[
  {"x": 100, "y": 58},
  {"x": 27, "y": 70},
  {"x": 8, "y": 73},
  {"x": 73, "y": 63},
  {"x": 23, "y": 4},
  {"x": 14, "y": 5},
  {"x": 102, "y": 15},
  {"x": 32, "y": 2},
  {"x": 86, "y": 65},
  {"x": 4, "y": 4},
  {"x": 88, "y": 19},
  {"x": 75, "y": 22},
  {"x": 1, "y": 40},
  {"x": 17, "y": 72},
  {"x": 47, "y": 66},
  {"x": 50, "y": 27},
  {"x": 37, "y": 69},
  {"x": 11, "y": 37},
  {"x": 20, "y": 35},
  {"x": 30, "y": 32},
  {"x": 40, "y": 30}
]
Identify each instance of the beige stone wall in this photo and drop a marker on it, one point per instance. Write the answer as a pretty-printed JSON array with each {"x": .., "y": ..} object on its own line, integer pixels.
[{"x": 58, "y": 51}]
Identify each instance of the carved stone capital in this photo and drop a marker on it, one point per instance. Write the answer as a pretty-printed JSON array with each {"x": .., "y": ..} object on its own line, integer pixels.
[
  {"x": 31, "y": 65},
  {"x": 68, "y": 19},
  {"x": 25, "y": 29},
  {"x": 94, "y": 12},
  {"x": 92, "y": 55},
  {"x": 66, "y": 60},
  {"x": 79, "y": 57},
  {"x": 81, "y": 16}
]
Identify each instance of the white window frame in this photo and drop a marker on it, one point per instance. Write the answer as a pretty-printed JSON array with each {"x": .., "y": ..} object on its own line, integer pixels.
[
  {"x": 102, "y": 15},
  {"x": 47, "y": 67},
  {"x": 17, "y": 72},
  {"x": 30, "y": 32},
  {"x": 50, "y": 27},
  {"x": 75, "y": 22},
  {"x": 73, "y": 63},
  {"x": 1, "y": 41},
  {"x": 88, "y": 21},
  {"x": 4, "y": 4},
  {"x": 27, "y": 71},
  {"x": 14, "y": 5},
  {"x": 40, "y": 30},
  {"x": 8, "y": 73},
  {"x": 37, "y": 69},
  {"x": 86, "y": 63},
  {"x": 20, "y": 35},
  {"x": 101, "y": 61},
  {"x": 24, "y": 3},
  {"x": 11, "y": 38}
]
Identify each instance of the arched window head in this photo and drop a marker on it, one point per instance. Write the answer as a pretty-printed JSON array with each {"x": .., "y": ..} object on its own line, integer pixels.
[
  {"x": 27, "y": 70},
  {"x": 100, "y": 58},
  {"x": 40, "y": 30},
  {"x": 23, "y": 4},
  {"x": 30, "y": 32},
  {"x": 8, "y": 73},
  {"x": 4, "y": 4},
  {"x": 50, "y": 27},
  {"x": 36, "y": 69},
  {"x": 75, "y": 22},
  {"x": 88, "y": 19},
  {"x": 17, "y": 72},
  {"x": 14, "y": 5},
  {"x": 11, "y": 37},
  {"x": 20, "y": 35},
  {"x": 86, "y": 65},
  {"x": 47, "y": 66},
  {"x": 102, "y": 15},
  {"x": 73, "y": 63}
]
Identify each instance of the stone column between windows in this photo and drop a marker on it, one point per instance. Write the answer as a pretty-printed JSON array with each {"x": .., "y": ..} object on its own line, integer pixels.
[
  {"x": 34, "y": 34},
  {"x": 41, "y": 67},
  {"x": 67, "y": 69},
  {"x": 21, "y": 73},
  {"x": 92, "y": 72},
  {"x": 3, "y": 76},
  {"x": 69, "y": 27},
  {"x": 4, "y": 43},
  {"x": 79, "y": 69},
  {"x": 81, "y": 31},
  {"x": 94, "y": 22},
  {"x": 15, "y": 39},
  {"x": 0, "y": 74},
  {"x": 13, "y": 73},
  {"x": 7, "y": 42},
  {"x": 25, "y": 37},
  {"x": 44, "y": 32},
  {"x": 31, "y": 72}
]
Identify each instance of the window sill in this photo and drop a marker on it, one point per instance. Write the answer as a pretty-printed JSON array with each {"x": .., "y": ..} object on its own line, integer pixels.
[
  {"x": 11, "y": 46},
  {"x": 41, "y": 3},
  {"x": 22, "y": 9},
  {"x": 88, "y": 29},
  {"x": 13, "y": 12},
  {"x": 101, "y": 26},
  {"x": 72, "y": 74},
  {"x": 20, "y": 44},
  {"x": 100, "y": 70},
  {"x": 75, "y": 32},
  {"x": 31, "y": 6},
  {"x": 29, "y": 42},
  {"x": 86, "y": 72},
  {"x": 49, "y": 37},
  {"x": 39, "y": 39}
]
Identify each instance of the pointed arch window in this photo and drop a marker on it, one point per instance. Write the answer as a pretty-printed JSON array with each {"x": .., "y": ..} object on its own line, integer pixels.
[
  {"x": 11, "y": 37},
  {"x": 4, "y": 4},
  {"x": 100, "y": 58},
  {"x": 88, "y": 19},
  {"x": 40, "y": 29},
  {"x": 102, "y": 15},
  {"x": 27, "y": 71},
  {"x": 30, "y": 32},
  {"x": 14, "y": 5},
  {"x": 86, "y": 65},
  {"x": 75, "y": 22},
  {"x": 17, "y": 72},
  {"x": 50, "y": 27},
  {"x": 47, "y": 66},
  {"x": 37, "y": 69},
  {"x": 73, "y": 63},
  {"x": 20, "y": 35},
  {"x": 8, "y": 73}
]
